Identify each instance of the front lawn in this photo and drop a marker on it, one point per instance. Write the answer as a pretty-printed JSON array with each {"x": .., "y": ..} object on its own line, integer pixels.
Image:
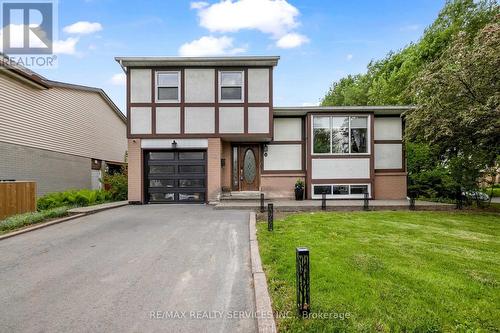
[{"x": 388, "y": 271}]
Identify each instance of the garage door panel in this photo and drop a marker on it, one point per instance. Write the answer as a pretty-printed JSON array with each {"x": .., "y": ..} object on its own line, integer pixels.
[{"x": 176, "y": 176}]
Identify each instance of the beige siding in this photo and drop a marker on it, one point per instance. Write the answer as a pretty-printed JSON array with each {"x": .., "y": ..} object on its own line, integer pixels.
[{"x": 60, "y": 119}]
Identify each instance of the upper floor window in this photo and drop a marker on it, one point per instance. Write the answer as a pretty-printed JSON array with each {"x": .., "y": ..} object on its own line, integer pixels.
[
  {"x": 167, "y": 86},
  {"x": 340, "y": 134},
  {"x": 231, "y": 86}
]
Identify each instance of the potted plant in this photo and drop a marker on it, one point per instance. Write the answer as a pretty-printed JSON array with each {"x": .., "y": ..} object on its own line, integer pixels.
[{"x": 299, "y": 189}]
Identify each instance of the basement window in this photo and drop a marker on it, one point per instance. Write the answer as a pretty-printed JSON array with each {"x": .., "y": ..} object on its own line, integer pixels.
[
  {"x": 231, "y": 86},
  {"x": 167, "y": 87}
]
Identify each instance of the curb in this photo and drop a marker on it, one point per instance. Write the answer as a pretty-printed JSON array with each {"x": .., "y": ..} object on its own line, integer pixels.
[
  {"x": 265, "y": 321},
  {"x": 72, "y": 216},
  {"x": 40, "y": 226},
  {"x": 95, "y": 209}
]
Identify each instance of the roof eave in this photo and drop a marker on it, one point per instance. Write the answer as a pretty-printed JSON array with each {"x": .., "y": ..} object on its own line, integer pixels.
[
  {"x": 378, "y": 110},
  {"x": 197, "y": 61}
]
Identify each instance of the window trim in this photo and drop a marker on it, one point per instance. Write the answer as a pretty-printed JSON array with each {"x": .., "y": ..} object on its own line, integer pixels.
[
  {"x": 178, "y": 100},
  {"x": 242, "y": 87},
  {"x": 342, "y": 196},
  {"x": 330, "y": 116}
]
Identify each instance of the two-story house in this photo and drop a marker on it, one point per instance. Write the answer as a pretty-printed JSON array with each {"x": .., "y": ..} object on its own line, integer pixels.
[{"x": 201, "y": 126}]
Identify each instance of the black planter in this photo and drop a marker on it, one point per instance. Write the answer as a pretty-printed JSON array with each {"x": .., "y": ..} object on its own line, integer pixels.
[{"x": 299, "y": 193}]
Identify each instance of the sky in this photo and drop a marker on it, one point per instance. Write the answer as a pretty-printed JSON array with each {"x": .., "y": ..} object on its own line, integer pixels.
[{"x": 318, "y": 41}]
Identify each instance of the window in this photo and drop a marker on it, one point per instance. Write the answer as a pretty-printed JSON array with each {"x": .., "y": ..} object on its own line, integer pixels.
[
  {"x": 231, "y": 86},
  {"x": 322, "y": 189},
  {"x": 322, "y": 134},
  {"x": 167, "y": 86},
  {"x": 340, "y": 191},
  {"x": 340, "y": 135}
]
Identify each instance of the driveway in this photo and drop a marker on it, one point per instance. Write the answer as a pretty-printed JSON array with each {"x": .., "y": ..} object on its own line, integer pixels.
[{"x": 161, "y": 268}]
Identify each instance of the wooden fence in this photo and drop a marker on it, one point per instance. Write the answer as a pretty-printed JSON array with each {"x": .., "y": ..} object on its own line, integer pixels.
[{"x": 17, "y": 197}]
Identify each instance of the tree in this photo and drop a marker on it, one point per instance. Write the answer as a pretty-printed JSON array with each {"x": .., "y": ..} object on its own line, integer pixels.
[{"x": 458, "y": 104}]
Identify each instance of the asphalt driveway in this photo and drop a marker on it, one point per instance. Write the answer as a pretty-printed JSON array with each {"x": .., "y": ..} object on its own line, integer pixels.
[{"x": 158, "y": 268}]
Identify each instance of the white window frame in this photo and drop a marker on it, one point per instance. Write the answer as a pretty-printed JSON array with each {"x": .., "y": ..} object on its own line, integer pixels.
[
  {"x": 242, "y": 87},
  {"x": 178, "y": 100},
  {"x": 368, "y": 131},
  {"x": 342, "y": 196}
]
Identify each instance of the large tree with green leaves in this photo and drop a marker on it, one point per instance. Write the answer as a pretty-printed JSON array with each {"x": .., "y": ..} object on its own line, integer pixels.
[{"x": 452, "y": 76}]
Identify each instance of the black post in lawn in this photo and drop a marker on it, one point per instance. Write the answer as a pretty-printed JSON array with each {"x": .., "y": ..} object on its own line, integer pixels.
[
  {"x": 323, "y": 201},
  {"x": 302, "y": 281},
  {"x": 412, "y": 202},
  {"x": 460, "y": 202},
  {"x": 366, "y": 202},
  {"x": 262, "y": 202},
  {"x": 270, "y": 217}
]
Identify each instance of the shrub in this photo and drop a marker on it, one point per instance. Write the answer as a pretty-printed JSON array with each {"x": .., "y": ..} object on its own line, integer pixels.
[
  {"x": 72, "y": 198},
  {"x": 21, "y": 220},
  {"x": 116, "y": 185}
]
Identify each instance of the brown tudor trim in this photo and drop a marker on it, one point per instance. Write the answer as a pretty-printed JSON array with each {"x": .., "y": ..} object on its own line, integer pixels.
[
  {"x": 153, "y": 98},
  {"x": 279, "y": 172},
  {"x": 389, "y": 170},
  {"x": 388, "y": 142},
  {"x": 245, "y": 101},
  {"x": 308, "y": 156},
  {"x": 372, "y": 155},
  {"x": 216, "y": 104},
  {"x": 127, "y": 111},
  {"x": 342, "y": 181},
  {"x": 182, "y": 106},
  {"x": 291, "y": 142},
  {"x": 270, "y": 100}
]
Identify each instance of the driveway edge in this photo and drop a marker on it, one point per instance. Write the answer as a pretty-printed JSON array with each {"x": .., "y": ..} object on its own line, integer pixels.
[
  {"x": 74, "y": 214},
  {"x": 265, "y": 318},
  {"x": 40, "y": 226}
]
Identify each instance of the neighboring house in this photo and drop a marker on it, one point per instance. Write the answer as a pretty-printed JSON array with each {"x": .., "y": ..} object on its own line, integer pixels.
[
  {"x": 60, "y": 135},
  {"x": 198, "y": 127}
]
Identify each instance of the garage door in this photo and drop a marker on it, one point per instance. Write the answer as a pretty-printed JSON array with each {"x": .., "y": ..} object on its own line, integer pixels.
[{"x": 175, "y": 176}]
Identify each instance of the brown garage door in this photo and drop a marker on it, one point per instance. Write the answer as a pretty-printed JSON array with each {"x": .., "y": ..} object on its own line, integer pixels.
[{"x": 175, "y": 176}]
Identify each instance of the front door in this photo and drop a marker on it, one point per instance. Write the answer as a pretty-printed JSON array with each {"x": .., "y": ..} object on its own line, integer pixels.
[{"x": 249, "y": 167}]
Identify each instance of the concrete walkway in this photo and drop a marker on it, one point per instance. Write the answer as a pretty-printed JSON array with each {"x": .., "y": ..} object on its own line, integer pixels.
[
  {"x": 153, "y": 268},
  {"x": 312, "y": 205}
]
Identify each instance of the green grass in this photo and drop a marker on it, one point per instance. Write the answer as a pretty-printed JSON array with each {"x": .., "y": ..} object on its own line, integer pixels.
[
  {"x": 493, "y": 192},
  {"x": 22, "y": 220},
  {"x": 390, "y": 271}
]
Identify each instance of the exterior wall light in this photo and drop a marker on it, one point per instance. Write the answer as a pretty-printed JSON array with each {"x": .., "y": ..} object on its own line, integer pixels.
[
  {"x": 174, "y": 144},
  {"x": 266, "y": 148}
]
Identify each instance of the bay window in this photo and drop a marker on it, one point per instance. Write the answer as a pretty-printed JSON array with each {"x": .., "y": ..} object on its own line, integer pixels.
[{"x": 340, "y": 134}]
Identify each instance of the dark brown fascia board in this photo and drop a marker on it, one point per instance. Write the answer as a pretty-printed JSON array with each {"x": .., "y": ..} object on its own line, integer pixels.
[
  {"x": 377, "y": 110},
  {"x": 242, "y": 61}
]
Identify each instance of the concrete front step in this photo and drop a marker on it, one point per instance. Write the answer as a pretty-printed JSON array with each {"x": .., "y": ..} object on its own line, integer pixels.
[{"x": 241, "y": 195}]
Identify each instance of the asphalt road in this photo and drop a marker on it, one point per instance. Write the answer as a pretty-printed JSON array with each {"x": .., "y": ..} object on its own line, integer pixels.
[{"x": 161, "y": 268}]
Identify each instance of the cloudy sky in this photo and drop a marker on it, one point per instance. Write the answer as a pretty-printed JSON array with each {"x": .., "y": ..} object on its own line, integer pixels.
[{"x": 318, "y": 41}]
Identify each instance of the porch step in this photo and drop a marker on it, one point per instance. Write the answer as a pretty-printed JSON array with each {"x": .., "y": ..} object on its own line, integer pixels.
[{"x": 241, "y": 195}]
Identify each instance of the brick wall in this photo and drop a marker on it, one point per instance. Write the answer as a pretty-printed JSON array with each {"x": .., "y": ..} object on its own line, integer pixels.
[
  {"x": 390, "y": 186},
  {"x": 214, "y": 170},
  {"x": 279, "y": 186},
  {"x": 52, "y": 171},
  {"x": 226, "y": 170},
  {"x": 134, "y": 170}
]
